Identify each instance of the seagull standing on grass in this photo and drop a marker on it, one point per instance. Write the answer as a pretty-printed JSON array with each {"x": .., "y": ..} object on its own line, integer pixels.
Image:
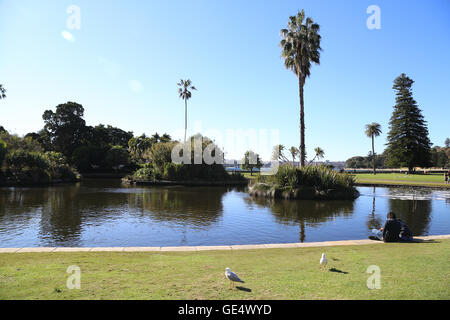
[
  {"x": 323, "y": 261},
  {"x": 232, "y": 277}
]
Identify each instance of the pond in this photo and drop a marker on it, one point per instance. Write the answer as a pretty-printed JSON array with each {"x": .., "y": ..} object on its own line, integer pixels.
[{"x": 103, "y": 213}]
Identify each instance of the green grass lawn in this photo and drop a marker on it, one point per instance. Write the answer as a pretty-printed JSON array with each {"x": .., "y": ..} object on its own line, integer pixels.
[
  {"x": 249, "y": 176},
  {"x": 397, "y": 178},
  {"x": 408, "y": 271}
]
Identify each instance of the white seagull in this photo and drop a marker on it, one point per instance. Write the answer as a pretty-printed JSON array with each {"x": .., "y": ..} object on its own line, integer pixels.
[
  {"x": 232, "y": 276},
  {"x": 323, "y": 261}
]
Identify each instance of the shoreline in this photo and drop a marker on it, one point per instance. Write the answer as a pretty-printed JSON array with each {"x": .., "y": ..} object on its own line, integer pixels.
[
  {"x": 401, "y": 185},
  {"x": 214, "y": 248}
]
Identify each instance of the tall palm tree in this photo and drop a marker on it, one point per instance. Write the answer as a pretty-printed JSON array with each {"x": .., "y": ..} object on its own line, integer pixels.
[
  {"x": 294, "y": 152},
  {"x": 2, "y": 92},
  {"x": 320, "y": 154},
  {"x": 373, "y": 130},
  {"x": 300, "y": 46},
  {"x": 185, "y": 93}
]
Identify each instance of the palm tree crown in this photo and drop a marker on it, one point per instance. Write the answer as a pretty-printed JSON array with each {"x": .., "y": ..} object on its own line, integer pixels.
[
  {"x": 184, "y": 90},
  {"x": 373, "y": 129},
  {"x": 301, "y": 45}
]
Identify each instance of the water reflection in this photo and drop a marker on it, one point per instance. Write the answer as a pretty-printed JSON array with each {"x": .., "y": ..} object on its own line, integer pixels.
[
  {"x": 374, "y": 220},
  {"x": 105, "y": 213},
  {"x": 306, "y": 213},
  {"x": 198, "y": 206},
  {"x": 416, "y": 212},
  {"x": 414, "y": 206}
]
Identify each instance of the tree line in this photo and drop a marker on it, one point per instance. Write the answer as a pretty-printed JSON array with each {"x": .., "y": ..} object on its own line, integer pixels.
[{"x": 408, "y": 144}]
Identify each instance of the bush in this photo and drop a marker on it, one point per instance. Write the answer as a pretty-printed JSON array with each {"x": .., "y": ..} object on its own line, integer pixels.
[
  {"x": 58, "y": 167},
  {"x": 21, "y": 159},
  {"x": 321, "y": 177}
]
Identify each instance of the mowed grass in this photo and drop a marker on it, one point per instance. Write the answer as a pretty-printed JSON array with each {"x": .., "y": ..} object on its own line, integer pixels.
[
  {"x": 408, "y": 271},
  {"x": 397, "y": 178}
]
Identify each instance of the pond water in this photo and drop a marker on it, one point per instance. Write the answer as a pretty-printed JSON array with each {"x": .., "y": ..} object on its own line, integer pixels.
[{"x": 103, "y": 213}]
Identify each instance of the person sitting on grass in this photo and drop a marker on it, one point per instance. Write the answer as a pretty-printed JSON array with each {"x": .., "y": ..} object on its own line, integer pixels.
[
  {"x": 405, "y": 233},
  {"x": 391, "y": 229}
]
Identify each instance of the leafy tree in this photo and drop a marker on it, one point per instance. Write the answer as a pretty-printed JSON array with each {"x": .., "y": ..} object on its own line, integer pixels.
[
  {"x": 2, "y": 92},
  {"x": 117, "y": 157},
  {"x": 2, "y": 152},
  {"x": 373, "y": 130},
  {"x": 160, "y": 154},
  {"x": 408, "y": 142},
  {"x": 66, "y": 127},
  {"x": 251, "y": 161},
  {"x": 88, "y": 158},
  {"x": 138, "y": 145},
  {"x": 102, "y": 135},
  {"x": 2, "y": 129},
  {"x": 439, "y": 157},
  {"x": 14, "y": 142},
  {"x": 300, "y": 47},
  {"x": 185, "y": 93},
  {"x": 447, "y": 143}
]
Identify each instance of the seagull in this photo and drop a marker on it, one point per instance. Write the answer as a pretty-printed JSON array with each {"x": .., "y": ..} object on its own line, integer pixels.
[
  {"x": 232, "y": 276},
  {"x": 323, "y": 261}
]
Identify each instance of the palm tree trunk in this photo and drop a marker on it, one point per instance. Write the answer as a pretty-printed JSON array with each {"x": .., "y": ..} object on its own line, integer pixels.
[
  {"x": 373, "y": 155},
  {"x": 302, "y": 124},
  {"x": 185, "y": 119}
]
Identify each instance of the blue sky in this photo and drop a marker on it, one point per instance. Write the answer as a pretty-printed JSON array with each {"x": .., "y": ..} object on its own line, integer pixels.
[{"x": 124, "y": 62}]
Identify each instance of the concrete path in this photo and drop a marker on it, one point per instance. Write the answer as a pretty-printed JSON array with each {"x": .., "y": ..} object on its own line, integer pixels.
[{"x": 210, "y": 248}]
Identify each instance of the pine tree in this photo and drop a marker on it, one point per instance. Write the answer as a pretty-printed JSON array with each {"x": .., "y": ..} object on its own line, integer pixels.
[{"x": 408, "y": 142}]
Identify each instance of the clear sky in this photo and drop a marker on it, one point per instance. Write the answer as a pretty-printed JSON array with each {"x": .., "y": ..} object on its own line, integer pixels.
[{"x": 124, "y": 62}]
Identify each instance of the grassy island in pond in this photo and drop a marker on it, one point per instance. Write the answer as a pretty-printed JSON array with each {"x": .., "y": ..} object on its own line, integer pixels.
[{"x": 308, "y": 183}]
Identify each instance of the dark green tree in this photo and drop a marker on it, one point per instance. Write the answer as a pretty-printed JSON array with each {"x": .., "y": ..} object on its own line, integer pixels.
[
  {"x": 447, "y": 143},
  {"x": 408, "y": 143},
  {"x": 66, "y": 127},
  {"x": 251, "y": 161}
]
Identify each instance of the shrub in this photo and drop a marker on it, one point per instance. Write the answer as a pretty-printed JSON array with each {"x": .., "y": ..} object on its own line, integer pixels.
[
  {"x": 321, "y": 177},
  {"x": 58, "y": 167}
]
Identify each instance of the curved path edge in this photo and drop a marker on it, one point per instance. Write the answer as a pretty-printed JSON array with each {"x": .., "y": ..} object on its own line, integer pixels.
[{"x": 212, "y": 248}]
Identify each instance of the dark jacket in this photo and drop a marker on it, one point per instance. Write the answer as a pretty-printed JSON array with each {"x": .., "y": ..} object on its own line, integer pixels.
[
  {"x": 405, "y": 232},
  {"x": 391, "y": 231}
]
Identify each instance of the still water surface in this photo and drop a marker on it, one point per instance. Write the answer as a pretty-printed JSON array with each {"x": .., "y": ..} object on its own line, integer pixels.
[{"x": 103, "y": 213}]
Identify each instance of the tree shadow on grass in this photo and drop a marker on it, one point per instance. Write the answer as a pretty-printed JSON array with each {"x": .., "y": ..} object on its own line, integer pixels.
[
  {"x": 244, "y": 289},
  {"x": 338, "y": 271}
]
